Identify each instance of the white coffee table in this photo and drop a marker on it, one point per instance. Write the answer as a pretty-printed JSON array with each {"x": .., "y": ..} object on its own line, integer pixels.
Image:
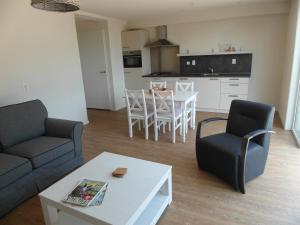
[{"x": 140, "y": 197}]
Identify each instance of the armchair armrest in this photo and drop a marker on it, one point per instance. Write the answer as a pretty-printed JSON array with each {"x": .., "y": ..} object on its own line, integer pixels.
[
  {"x": 65, "y": 129},
  {"x": 203, "y": 122},
  {"x": 244, "y": 149},
  {"x": 256, "y": 133}
]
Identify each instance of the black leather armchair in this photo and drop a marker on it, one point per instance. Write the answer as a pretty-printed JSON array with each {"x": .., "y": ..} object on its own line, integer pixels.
[{"x": 238, "y": 155}]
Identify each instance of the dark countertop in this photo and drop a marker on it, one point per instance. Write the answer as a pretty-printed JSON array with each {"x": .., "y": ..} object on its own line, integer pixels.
[{"x": 195, "y": 75}]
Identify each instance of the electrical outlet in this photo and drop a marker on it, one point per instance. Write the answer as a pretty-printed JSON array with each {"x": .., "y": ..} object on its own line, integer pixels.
[
  {"x": 233, "y": 61},
  {"x": 188, "y": 63},
  {"x": 194, "y": 62}
]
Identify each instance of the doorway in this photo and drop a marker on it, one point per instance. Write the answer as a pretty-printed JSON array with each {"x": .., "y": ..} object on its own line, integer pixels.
[{"x": 92, "y": 42}]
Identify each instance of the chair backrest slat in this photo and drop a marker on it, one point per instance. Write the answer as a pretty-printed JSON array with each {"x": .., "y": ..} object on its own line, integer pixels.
[
  {"x": 158, "y": 84},
  {"x": 184, "y": 86},
  {"x": 163, "y": 102},
  {"x": 135, "y": 101}
]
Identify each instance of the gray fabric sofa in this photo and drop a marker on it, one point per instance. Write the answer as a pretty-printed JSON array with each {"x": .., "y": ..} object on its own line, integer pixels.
[{"x": 35, "y": 151}]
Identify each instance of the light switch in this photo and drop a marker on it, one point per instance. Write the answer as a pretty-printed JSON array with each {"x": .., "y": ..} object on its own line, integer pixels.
[
  {"x": 188, "y": 63},
  {"x": 233, "y": 61},
  {"x": 194, "y": 62}
]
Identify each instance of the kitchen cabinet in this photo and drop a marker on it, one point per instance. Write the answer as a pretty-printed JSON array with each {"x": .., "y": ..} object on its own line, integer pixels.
[
  {"x": 214, "y": 94},
  {"x": 134, "y": 40},
  {"x": 133, "y": 78},
  {"x": 208, "y": 89},
  {"x": 233, "y": 88},
  {"x": 209, "y": 93}
]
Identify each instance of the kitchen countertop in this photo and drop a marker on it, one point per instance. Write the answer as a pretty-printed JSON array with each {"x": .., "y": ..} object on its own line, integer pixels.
[{"x": 241, "y": 75}]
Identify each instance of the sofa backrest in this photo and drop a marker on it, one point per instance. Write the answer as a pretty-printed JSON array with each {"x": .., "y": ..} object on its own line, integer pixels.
[{"x": 21, "y": 122}]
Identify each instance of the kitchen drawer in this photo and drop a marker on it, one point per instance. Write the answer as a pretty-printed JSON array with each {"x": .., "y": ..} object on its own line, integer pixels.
[
  {"x": 226, "y": 99},
  {"x": 234, "y": 88},
  {"x": 242, "y": 80}
]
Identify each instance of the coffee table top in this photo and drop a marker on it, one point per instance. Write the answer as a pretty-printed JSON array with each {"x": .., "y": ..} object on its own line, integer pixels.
[{"x": 125, "y": 197}]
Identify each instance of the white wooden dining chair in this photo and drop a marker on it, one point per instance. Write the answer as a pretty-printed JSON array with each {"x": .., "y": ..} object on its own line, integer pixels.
[
  {"x": 165, "y": 112},
  {"x": 190, "y": 110},
  {"x": 158, "y": 84},
  {"x": 137, "y": 111}
]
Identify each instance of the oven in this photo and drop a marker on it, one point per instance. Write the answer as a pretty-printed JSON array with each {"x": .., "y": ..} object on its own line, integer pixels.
[{"x": 132, "y": 59}]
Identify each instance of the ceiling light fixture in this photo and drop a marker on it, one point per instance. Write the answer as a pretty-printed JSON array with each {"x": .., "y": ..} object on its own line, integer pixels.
[{"x": 56, "y": 5}]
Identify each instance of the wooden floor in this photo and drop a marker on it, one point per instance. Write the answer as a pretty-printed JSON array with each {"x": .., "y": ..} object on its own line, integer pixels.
[{"x": 198, "y": 197}]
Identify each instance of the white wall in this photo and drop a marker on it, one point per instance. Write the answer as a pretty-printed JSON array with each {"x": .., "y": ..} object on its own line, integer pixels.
[
  {"x": 291, "y": 69},
  {"x": 115, "y": 28},
  {"x": 39, "y": 50},
  {"x": 264, "y": 36},
  {"x": 218, "y": 13}
]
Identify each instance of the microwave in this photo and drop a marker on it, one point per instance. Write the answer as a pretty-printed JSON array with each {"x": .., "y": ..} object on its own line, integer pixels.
[{"x": 132, "y": 59}]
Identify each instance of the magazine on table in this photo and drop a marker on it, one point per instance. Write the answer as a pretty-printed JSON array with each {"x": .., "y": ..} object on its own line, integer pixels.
[{"x": 87, "y": 193}]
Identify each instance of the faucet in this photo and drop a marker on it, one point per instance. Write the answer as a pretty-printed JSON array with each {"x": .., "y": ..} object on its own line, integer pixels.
[{"x": 210, "y": 69}]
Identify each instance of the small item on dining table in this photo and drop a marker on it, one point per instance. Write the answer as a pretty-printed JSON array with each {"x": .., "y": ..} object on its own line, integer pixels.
[
  {"x": 119, "y": 172},
  {"x": 158, "y": 89}
]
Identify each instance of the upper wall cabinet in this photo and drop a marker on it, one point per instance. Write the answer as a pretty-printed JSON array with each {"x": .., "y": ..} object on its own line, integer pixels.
[{"x": 134, "y": 40}]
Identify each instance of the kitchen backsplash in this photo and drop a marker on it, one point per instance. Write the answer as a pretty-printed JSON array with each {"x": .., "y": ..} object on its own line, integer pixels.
[{"x": 233, "y": 63}]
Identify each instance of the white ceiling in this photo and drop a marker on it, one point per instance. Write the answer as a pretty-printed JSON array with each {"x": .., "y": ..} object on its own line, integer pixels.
[{"x": 138, "y": 9}]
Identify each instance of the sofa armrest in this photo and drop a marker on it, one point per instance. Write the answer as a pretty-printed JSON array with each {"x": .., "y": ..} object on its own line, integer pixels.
[{"x": 65, "y": 129}]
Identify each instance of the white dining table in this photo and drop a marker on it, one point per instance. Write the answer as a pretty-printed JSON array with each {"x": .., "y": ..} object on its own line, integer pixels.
[{"x": 183, "y": 98}]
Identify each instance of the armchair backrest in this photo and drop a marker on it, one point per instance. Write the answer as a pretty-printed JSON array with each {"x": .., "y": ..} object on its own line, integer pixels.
[
  {"x": 21, "y": 122},
  {"x": 245, "y": 117}
]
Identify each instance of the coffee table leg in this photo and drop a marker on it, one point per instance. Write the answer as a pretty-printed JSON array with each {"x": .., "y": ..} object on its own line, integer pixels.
[
  {"x": 170, "y": 187},
  {"x": 166, "y": 189},
  {"x": 49, "y": 212}
]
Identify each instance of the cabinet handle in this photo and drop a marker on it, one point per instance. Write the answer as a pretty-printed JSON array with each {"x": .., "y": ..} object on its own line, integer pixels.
[
  {"x": 213, "y": 78},
  {"x": 234, "y": 79},
  {"x": 127, "y": 72},
  {"x": 236, "y": 85},
  {"x": 183, "y": 78},
  {"x": 233, "y": 96}
]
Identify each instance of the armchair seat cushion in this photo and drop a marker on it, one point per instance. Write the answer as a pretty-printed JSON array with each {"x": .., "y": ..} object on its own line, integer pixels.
[
  {"x": 220, "y": 153},
  {"x": 42, "y": 150},
  {"x": 12, "y": 168}
]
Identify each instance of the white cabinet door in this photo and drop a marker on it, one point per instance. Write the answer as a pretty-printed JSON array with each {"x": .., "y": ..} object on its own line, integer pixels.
[
  {"x": 226, "y": 100},
  {"x": 234, "y": 88},
  {"x": 170, "y": 82},
  {"x": 133, "y": 78},
  {"x": 134, "y": 40},
  {"x": 209, "y": 91}
]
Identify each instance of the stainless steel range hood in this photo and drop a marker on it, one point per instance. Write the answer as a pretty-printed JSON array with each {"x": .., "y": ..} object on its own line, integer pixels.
[{"x": 163, "y": 41}]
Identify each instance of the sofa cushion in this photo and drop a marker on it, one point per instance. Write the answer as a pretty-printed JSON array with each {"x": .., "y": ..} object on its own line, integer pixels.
[
  {"x": 21, "y": 122},
  {"x": 42, "y": 150},
  {"x": 12, "y": 168}
]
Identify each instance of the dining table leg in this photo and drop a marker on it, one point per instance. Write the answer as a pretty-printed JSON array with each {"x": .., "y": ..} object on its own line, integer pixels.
[{"x": 183, "y": 109}]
